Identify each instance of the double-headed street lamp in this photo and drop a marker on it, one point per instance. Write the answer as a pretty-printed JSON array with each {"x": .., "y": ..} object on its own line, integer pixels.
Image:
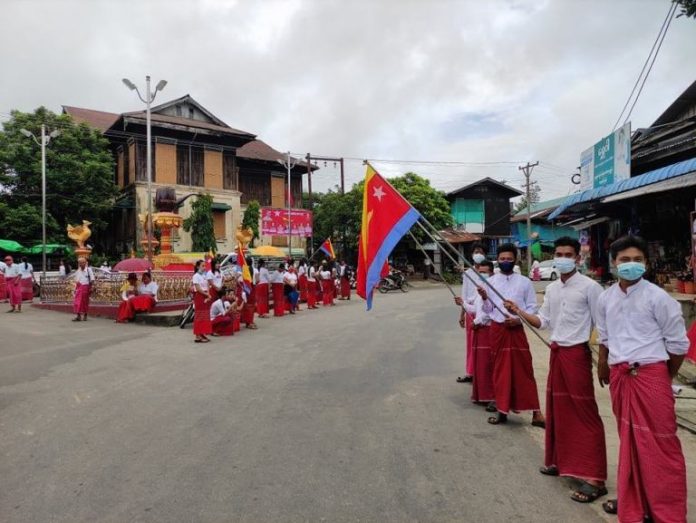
[
  {"x": 289, "y": 163},
  {"x": 44, "y": 142},
  {"x": 149, "y": 98}
]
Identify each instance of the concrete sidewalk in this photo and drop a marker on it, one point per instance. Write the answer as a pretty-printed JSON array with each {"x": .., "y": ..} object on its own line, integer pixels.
[{"x": 686, "y": 410}]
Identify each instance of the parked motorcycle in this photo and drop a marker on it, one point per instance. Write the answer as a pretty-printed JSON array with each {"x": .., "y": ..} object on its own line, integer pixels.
[{"x": 394, "y": 281}]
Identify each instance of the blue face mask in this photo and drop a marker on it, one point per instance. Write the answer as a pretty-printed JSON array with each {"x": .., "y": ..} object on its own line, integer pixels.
[
  {"x": 630, "y": 271},
  {"x": 506, "y": 267},
  {"x": 564, "y": 265}
]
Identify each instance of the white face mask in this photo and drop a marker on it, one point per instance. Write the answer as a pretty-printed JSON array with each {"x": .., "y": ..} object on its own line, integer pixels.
[
  {"x": 564, "y": 265},
  {"x": 478, "y": 258}
]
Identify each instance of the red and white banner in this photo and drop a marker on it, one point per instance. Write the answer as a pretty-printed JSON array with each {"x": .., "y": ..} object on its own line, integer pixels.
[{"x": 274, "y": 222}]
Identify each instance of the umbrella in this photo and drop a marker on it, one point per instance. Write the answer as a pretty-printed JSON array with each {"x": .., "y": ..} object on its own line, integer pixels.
[
  {"x": 132, "y": 265},
  {"x": 51, "y": 248},
  {"x": 268, "y": 251},
  {"x": 11, "y": 246}
]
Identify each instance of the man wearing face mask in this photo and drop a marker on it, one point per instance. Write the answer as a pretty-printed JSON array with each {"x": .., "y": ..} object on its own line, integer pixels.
[
  {"x": 575, "y": 443},
  {"x": 642, "y": 345},
  {"x": 466, "y": 302},
  {"x": 513, "y": 374}
]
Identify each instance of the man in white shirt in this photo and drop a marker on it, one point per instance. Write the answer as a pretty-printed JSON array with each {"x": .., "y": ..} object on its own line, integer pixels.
[
  {"x": 84, "y": 278},
  {"x": 575, "y": 442},
  {"x": 466, "y": 302},
  {"x": 642, "y": 345},
  {"x": 13, "y": 278},
  {"x": 513, "y": 373}
]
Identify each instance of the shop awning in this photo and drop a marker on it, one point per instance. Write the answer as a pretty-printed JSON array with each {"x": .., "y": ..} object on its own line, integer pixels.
[
  {"x": 217, "y": 206},
  {"x": 12, "y": 247},
  {"x": 667, "y": 185},
  {"x": 637, "y": 182}
]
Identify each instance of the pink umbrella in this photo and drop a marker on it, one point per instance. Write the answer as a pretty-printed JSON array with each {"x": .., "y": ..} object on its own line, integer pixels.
[{"x": 132, "y": 265}]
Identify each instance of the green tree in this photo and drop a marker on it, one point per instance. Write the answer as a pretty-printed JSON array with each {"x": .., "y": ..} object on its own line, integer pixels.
[
  {"x": 200, "y": 224},
  {"x": 427, "y": 200},
  {"x": 534, "y": 197},
  {"x": 79, "y": 178},
  {"x": 251, "y": 218},
  {"x": 688, "y": 8}
]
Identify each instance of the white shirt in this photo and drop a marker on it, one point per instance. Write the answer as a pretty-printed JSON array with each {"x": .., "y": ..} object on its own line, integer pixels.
[
  {"x": 12, "y": 271},
  {"x": 569, "y": 309},
  {"x": 199, "y": 279},
  {"x": 84, "y": 277},
  {"x": 513, "y": 287},
  {"x": 302, "y": 269},
  {"x": 219, "y": 308},
  {"x": 278, "y": 277},
  {"x": 640, "y": 325},
  {"x": 27, "y": 272},
  {"x": 325, "y": 275},
  {"x": 469, "y": 293},
  {"x": 264, "y": 276},
  {"x": 216, "y": 277},
  {"x": 290, "y": 278},
  {"x": 151, "y": 289},
  {"x": 3, "y": 266},
  {"x": 311, "y": 275},
  {"x": 61, "y": 270},
  {"x": 482, "y": 317},
  {"x": 255, "y": 275}
]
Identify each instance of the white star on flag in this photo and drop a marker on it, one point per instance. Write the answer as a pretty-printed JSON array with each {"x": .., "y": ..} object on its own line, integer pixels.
[{"x": 378, "y": 193}]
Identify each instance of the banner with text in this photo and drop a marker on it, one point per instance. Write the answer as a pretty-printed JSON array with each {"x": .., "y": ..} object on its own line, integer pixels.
[
  {"x": 274, "y": 222},
  {"x": 608, "y": 161}
]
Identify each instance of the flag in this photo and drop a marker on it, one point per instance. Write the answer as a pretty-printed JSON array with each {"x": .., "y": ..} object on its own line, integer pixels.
[
  {"x": 244, "y": 270},
  {"x": 327, "y": 248},
  {"x": 386, "y": 217}
]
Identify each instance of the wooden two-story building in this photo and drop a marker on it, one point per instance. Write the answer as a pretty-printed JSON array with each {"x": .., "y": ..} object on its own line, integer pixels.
[{"x": 193, "y": 151}]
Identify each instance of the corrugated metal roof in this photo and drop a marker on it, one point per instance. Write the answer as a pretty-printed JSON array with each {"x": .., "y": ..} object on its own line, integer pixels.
[{"x": 658, "y": 175}]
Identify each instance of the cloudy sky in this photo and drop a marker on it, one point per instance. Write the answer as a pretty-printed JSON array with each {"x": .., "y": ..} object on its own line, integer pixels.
[{"x": 464, "y": 81}]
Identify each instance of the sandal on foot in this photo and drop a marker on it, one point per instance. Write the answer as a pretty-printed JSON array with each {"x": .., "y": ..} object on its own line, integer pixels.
[
  {"x": 588, "y": 493},
  {"x": 541, "y": 424},
  {"x": 491, "y": 407},
  {"x": 465, "y": 379},
  {"x": 498, "y": 420},
  {"x": 611, "y": 506},
  {"x": 549, "y": 471}
]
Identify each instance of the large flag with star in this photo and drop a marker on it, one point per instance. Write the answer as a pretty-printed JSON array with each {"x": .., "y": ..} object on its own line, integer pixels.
[{"x": 386, "y": 217}]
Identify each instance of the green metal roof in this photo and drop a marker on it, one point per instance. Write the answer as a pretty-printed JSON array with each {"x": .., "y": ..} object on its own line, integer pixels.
[{"x": 217, "y": 206}]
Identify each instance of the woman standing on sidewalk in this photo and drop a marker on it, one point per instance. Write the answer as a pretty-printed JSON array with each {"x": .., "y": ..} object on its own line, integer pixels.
[{"x": 201, "y": 303}]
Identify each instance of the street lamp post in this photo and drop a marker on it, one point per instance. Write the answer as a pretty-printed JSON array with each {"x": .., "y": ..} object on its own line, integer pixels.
[
  {"x": 44, "y": 142},
  {"x": 289, "y": 163},
  {"x": 149, "y": 98}
]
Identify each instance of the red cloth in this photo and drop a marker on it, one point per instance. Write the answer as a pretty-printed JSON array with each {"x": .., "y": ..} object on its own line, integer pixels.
[
  {"x": 691, "y": 355},
  {"x": 248, "y": 308},
  {"x": 469, "y": 361},
  {"x": 345, "y": 288},
  {"x": 278, "y": 300},
  {"x": 236, "y": 322},
  {"x": 143, "y": 303},
  {"x": 651, "y": 476},
  {"x": 327, "y": 291},
  {"x": 201, "y": 317},
  {"x": 124, "y": 311},
  {"x": 222, "y": 326},
  {"x": 311, "y": 293},
  {"x": 27, "y": 285},
  {"x": 575, "y": 441},
  {"x": 81, "y": 300},
  {"x": 302, "y": 286},
  {"x": 482, "y": 365},
  {"x": 14, "y": 292},
  {"x": 3, "y": 287},
  {"x": 262, "y": 298},
  {"x": 513, "y": 374}
]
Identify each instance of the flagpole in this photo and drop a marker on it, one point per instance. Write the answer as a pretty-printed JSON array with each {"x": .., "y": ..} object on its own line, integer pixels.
[{"x": 418, "y": 244}]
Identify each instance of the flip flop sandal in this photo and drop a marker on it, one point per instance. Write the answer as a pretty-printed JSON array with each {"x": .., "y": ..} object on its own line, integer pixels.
[
  {"x": 549, "y": 471},
  {"x": 588, "y": 493},
  {"x": 491, "y": 407},
  {"x": 540, "y": 424},
  {"x": 465, "y": 379},
  {"x": 611, "y": 506},
  {"x": 197, "y": 341},
  {"x": 498, "y": 420},
  {"x": 76, "y": 319}
]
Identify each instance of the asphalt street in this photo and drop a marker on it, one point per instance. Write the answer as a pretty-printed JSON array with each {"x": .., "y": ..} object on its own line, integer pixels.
[{"x": 330, "y": 415}]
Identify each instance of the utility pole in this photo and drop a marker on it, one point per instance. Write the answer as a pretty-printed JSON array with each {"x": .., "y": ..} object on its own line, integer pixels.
[
  {"x": 527, "y": 170},
  {"x": 289, "y": 163}
]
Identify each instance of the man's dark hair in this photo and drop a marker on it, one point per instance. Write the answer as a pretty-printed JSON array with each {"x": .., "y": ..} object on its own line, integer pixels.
[
  {"x": 477, "y": 245},
  {"x": 489, "y": 264},
  {"x": 626, "y": 242},
  {"x": 508, "y": 247},
  {"x": 567, "y": 241}
]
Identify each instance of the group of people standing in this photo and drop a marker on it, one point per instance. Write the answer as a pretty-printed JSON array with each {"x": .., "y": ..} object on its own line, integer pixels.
[
  {"x": 642, "y": 343},
  {"x": 223, "y": 303}
]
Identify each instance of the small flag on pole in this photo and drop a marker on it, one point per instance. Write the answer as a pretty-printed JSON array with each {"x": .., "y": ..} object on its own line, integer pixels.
[
  {"x": 244, "y": 270},
  {"x": 386, "y": 217},
  {"x": 328, "y": 249}
]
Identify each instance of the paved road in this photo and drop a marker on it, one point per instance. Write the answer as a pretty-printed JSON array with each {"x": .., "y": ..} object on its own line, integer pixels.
[{"x": 332, "y": 415}]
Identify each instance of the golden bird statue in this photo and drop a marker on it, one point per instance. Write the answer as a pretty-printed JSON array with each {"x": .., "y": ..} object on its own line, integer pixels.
[
  {"x": 244, "y": 235},
  {"x": 80, "y": 233}
]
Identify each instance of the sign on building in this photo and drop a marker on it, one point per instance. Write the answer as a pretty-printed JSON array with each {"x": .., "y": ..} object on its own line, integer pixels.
[
  {"x": 274, "y": 222},
  {"x": 608, "y": 161}
]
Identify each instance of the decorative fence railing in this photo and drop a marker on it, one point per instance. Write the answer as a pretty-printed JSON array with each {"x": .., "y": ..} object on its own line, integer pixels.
[{"x": 173, "y": 286}]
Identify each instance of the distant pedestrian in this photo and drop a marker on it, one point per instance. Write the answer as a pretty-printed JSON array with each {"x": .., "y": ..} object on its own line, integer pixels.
[
  {"x": 13, "y": 279},
  {"x": 642, "y": 345},
  {"x": 27, "y": 270},
  {"x": 62, "y": 271},
  {"x": 427, "y": 268},
  {"x": 84, "y": 279}
]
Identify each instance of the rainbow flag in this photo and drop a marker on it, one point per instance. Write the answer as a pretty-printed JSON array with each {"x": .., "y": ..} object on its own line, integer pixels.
[
  {"x": 244, "y": 270},
  {"x": 328, "y": 249},
  {"x": 386, "y": 217}
]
